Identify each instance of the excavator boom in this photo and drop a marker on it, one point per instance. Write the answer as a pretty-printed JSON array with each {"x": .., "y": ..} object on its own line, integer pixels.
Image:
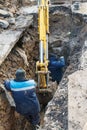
[{"x": 43, "y": 30}]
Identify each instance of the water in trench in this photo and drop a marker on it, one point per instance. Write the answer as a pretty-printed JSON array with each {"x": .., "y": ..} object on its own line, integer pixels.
[{"x": 63, "y": 40}]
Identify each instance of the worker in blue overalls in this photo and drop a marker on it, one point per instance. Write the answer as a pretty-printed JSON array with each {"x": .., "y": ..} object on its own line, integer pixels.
[
  {"x": 24, "y": 95},
  {"x": 55, "y": 67}
]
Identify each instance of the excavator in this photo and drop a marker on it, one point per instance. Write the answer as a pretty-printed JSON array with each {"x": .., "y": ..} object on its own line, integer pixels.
[{"x": 43, "y": 30}]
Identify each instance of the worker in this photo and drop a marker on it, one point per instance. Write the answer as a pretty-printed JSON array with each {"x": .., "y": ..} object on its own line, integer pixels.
[
  {"x": 55, "y": 67},
  {"x": 24, "y": 95}
]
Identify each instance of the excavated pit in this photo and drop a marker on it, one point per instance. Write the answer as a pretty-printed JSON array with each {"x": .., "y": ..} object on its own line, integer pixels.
[{"x": 66, "y": 35}]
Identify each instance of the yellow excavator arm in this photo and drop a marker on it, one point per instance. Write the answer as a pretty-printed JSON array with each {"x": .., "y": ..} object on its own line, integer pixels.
[{"x": 43, "y": 29}]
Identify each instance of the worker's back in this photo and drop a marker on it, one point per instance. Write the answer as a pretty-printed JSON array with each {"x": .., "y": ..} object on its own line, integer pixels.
[
  {"x": 24, "y": 95},
  {"x": 55, "y": 67}
]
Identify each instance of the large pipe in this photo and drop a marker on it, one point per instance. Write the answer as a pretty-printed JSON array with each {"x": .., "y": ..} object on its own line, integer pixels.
[{"x": 41, "y": 51}]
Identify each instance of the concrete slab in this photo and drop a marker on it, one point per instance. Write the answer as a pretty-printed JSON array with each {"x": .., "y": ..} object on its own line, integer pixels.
[
  {"x": 77, "y": 100},
  {"x": 7, "y": 42},
  {"x": 10, "y": 37},
  {"x": 77, "y": 95}
]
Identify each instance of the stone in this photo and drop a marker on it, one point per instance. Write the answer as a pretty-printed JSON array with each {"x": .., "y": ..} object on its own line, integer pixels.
[
  {"x": 82, "y": 8},
  {"x": 5, "y": 14},
  {"x": 11, "y": 21},
  {"x": 23, "y": 21},
  {"x": 4, "y": 24},
  {"x": 13, "y": 9},
  {"x": 28, "y": 10},
  {"x": 76, "y": 6}
]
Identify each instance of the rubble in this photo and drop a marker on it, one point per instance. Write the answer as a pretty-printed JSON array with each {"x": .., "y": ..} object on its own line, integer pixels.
[
  {"x": 5, "y": 14},
  {"x": 4, "y": 24},
  {"x": 12, "y": 21}
]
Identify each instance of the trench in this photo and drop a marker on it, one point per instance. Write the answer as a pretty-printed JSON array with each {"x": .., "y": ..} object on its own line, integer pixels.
[{"x": 64, "y": 40}]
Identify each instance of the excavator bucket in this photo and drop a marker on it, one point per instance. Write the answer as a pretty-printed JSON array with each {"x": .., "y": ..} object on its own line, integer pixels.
[{"x": 43, "y": 82}]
